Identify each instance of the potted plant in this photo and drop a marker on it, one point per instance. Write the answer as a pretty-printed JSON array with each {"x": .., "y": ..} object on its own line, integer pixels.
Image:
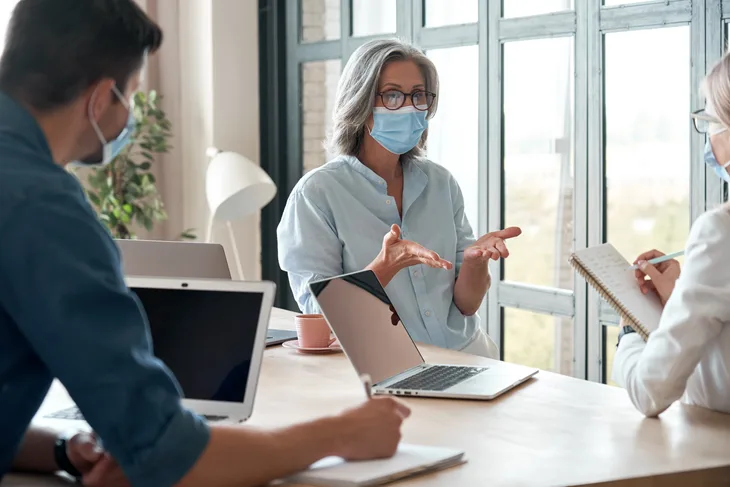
[{"x": 124, "y": 192}]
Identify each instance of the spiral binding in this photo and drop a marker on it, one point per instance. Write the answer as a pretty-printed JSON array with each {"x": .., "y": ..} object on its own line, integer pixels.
[{"x": 609, "y": 297}]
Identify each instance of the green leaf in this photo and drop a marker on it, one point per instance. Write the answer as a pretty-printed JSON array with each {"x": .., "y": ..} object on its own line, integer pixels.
[
  {"x": 145, "y": 166},
  {"x": 147, "y": 222},
  {"x": 94, "y": 198}
]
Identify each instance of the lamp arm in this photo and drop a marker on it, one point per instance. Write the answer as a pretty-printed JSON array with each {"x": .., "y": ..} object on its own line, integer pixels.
[
  {"x": 209, "y": 233},
  {"x": 237, "y": 257}
]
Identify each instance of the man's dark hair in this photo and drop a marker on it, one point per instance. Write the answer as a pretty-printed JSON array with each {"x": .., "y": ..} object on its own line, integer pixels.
[{"x": 56, "y": 49}]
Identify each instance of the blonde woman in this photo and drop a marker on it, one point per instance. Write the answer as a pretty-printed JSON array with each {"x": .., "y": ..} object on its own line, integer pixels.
[
  {"x": 689, "y": 354},
  {"x": 382, "y": 205}
]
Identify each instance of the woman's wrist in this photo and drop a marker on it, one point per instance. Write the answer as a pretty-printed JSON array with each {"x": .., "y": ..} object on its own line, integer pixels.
[{"x": 384, "y": 271}]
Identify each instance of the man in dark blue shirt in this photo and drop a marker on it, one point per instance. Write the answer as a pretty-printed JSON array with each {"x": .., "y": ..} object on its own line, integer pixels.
[{"x": 67, "y": 75}]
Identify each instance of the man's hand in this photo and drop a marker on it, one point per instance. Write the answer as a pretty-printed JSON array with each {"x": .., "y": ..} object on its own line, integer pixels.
[
  {"x": 660, "y": 278},
  {"x": 372, "y": 430},
  {"x": 397, "y": 254},
  {"x": 491, "y": 246},
  {"x": 97, "y": 467}
]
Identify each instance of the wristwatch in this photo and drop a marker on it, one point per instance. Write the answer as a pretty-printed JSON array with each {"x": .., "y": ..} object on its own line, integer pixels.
[
  {"x": 624, "y": 330},
  {"x": 60, "y": 453}
]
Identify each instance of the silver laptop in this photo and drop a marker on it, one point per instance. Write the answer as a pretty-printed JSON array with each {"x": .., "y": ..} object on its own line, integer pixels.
[
  {"x": 173, "y": 259},
  {"x": 210, "y": 334},
  {"x": 376, "y": 342},
  {"x": 194, "y": 260}
]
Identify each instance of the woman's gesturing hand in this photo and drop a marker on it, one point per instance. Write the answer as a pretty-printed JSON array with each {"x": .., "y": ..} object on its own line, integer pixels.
[
  {"x": 397, "y": 254},
  {"x": 491, "y": 246}
]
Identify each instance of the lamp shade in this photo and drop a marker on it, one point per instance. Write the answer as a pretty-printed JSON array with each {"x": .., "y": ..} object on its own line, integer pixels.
[{"x": 235, "y": 186}]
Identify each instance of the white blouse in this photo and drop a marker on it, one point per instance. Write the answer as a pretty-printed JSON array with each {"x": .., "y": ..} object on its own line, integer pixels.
[{"x": 688, "y": 356}]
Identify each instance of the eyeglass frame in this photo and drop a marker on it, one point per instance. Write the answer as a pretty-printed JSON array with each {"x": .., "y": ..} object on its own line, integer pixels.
[
  {"x": 405, "y": 97},
  {"x": 702, "y": 114}
]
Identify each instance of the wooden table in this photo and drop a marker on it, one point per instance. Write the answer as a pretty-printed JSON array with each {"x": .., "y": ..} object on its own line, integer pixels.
[{"x": 551, "y": 431}]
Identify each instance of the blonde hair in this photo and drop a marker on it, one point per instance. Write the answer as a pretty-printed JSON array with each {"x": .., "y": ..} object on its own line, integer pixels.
[
  {"x": 358, "y": 87},
  {"x": 716, "y": 88}
]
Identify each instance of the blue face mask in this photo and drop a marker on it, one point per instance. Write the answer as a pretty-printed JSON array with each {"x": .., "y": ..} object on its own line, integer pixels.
[
  {"x": 112, "y": 148},
  {"x": 398, "y": 130},
  {"x": 710, "y": 160}
]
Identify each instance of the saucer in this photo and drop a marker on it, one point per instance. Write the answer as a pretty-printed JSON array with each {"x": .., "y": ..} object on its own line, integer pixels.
[{"x": 294, "y": 345}]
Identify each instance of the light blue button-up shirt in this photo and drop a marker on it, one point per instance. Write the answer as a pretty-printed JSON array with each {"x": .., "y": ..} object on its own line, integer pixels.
[{"x": 334, "y": 223}]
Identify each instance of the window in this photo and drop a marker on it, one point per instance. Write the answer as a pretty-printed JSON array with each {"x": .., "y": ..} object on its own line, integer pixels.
[
  {"x": 453, "y": 134},
  {"x": 647, "y": 142},
  {"x": 537, "y": 340},
  {"x": 538, "y": 159},
  {"x": 525, "y": 8},
  {"x": 567, "y": 118},
  {"x": 6, "y": 11},
  {"x": 370, "y": 17},
  {"x": 440, "y": 13}
]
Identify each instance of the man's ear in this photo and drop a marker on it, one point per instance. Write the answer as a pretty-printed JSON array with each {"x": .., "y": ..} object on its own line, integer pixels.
[{"x": 98, "y": 97}]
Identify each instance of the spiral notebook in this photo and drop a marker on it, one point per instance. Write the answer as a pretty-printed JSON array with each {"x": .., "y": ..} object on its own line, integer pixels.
[{"x": 609, "y": 273}]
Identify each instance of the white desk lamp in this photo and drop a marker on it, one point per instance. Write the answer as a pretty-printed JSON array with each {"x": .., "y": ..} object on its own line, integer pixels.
[{"x": 235, "y": 188}]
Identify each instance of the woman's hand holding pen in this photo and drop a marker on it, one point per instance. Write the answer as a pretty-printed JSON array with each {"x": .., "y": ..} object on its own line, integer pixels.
[{"x": 659, "y": 278}]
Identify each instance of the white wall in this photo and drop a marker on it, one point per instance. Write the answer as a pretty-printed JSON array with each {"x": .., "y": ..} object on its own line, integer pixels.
[{"x": 207, "y": 71}]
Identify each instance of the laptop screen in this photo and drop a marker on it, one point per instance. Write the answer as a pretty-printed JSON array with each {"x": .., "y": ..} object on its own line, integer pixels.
[
  {"x": 361, "y": 315},
  {"x": 206, "y": 338}
]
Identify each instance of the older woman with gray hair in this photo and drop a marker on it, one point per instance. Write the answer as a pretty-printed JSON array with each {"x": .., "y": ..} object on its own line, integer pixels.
[
  {"x": 381, "y": 205},
  {"x": 688, "y": 355}
]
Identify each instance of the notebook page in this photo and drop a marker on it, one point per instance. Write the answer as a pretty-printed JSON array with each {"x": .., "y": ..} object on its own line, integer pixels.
[
  {"x": 408, "y": 460},
  {"x": 610, "y": 268}
]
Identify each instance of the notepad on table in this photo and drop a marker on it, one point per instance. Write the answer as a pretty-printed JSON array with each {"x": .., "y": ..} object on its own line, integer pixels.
[
  {"x": 609, "y": 273},
  {"x": 410, "y": 460}
]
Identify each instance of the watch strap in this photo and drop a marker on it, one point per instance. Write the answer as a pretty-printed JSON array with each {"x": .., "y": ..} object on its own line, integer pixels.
[
  {"x": 60, "y": 453},
  {"x": 626, "y": 329}
]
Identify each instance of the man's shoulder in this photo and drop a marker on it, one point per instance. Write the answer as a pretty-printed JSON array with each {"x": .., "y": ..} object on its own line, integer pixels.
[{"x": 34, "y": 184}]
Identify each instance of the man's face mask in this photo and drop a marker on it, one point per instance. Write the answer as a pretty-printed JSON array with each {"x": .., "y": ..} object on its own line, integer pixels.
[{"x": 109, "y": 148}]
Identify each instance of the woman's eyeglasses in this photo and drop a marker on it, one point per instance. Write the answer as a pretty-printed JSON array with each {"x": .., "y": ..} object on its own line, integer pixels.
[
  {"x": 395, "y": 99},
  {"x": 702, "y": 121}
]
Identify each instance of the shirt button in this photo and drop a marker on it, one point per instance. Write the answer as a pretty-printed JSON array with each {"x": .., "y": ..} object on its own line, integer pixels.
[
  {"x": 387, "y": 202},
  {"x": 428, "y": 313},
  {"x": 416, "y": 273}
]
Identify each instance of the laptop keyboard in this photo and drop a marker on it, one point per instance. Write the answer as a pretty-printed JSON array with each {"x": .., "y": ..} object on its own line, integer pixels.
[
  {"x": 437, "y": 378},
  {"x": 74, "y": 414}
]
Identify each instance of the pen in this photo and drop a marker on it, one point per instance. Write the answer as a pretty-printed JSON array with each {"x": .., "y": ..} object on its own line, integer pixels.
[
  {"x": 367, "y": 382},
  {"x": 661, "y": 259}
]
